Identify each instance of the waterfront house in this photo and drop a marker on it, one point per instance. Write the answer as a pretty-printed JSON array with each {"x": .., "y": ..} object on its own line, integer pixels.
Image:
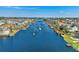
[
  {"x": 73, "y": 29},
  {"x": 4, "y": 31},
  {"x": 1, "y": 22},
  {"x": 62, "y": 23}
]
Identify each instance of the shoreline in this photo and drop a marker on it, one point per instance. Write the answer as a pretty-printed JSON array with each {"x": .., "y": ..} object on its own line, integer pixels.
[
  {"x": 66, "y": 38},
  {"x": 14, "y": 31}
]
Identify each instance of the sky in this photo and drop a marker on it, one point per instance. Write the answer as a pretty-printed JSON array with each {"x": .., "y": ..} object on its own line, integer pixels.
[{"x": 39, "y": 11}]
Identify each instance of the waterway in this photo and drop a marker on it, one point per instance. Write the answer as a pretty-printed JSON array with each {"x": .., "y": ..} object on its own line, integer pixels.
[{"x": 35, "y": 40}]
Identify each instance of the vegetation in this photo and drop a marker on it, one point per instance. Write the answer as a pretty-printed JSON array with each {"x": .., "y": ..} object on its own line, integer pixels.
[
  {"x": 69, "y": 40},
  {"x": 1, "y": 18}
]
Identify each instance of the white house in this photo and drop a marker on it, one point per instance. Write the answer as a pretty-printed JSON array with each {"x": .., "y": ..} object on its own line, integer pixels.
[
  {"x": 4, "y": 31},
  {"x": 73, "y": 29},
  {"x": 1, "y": 22}
]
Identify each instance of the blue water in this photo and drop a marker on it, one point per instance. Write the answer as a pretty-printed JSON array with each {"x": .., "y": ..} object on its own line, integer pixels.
[{"x": 45, "y": 40}]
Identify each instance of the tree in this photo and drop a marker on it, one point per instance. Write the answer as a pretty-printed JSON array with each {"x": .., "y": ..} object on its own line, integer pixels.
[{"x": 1, "y": 18}]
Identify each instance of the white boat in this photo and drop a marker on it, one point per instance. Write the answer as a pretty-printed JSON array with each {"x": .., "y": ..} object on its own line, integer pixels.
[
  {"x": 40, "y": 28},
  {"x": 68, "y": 45},
  {"x": 33, "y": 34},
  {"x": 51, "y": 27}
]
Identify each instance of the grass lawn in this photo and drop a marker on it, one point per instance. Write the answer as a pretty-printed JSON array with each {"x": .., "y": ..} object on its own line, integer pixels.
[{"x": 69, "y": 40}]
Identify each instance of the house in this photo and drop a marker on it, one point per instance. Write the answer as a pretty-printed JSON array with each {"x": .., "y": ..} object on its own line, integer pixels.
[
  {"x": 1, "y": 22},
  {"x": 4, "y": 31},
  {"x": 62, "y": 22},
  {"x": 73, "y": 29}
]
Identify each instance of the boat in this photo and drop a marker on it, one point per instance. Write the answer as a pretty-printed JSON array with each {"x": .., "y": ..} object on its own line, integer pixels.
[
  {"x": 33, "y": 34},
  {"x": 68, "y": 45},
  {"x": 51, "y": 27},
  {"x": 40, "y": 28}
]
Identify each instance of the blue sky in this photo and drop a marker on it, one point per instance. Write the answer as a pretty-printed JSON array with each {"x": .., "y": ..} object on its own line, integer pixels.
[{"x": 39, "y": 11}]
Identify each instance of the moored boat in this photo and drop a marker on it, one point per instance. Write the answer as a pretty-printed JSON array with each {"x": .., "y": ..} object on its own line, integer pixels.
[{"x": 68, "y": 45}]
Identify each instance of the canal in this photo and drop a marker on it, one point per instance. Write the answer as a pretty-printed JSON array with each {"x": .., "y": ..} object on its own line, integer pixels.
[{"x": 38, "y": 37}]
